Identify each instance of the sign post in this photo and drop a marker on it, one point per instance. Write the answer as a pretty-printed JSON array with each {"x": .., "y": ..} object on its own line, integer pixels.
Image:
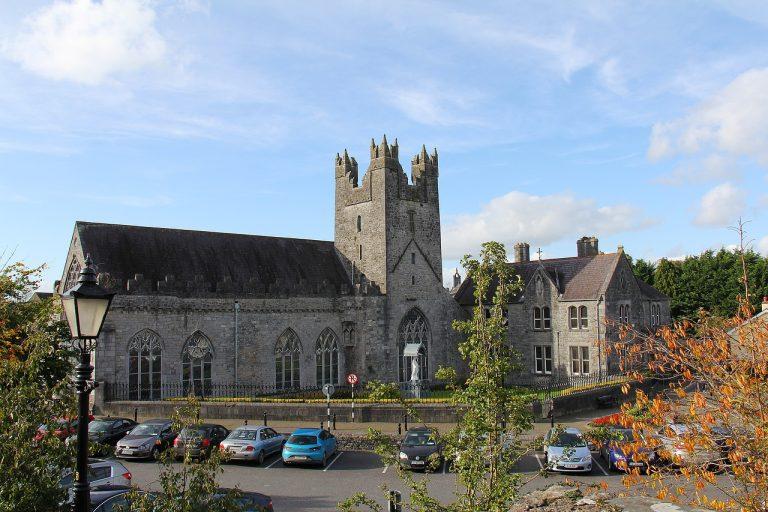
[
  {"x": 352, "y": 379},
  {"x": 328, "y": 390}
]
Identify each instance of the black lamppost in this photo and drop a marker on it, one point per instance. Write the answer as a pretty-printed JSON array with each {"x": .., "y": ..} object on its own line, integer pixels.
[{"x": 85, "y": 306}]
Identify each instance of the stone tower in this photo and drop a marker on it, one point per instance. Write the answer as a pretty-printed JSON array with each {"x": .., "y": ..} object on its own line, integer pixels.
[{"x": 387, "y": 228}]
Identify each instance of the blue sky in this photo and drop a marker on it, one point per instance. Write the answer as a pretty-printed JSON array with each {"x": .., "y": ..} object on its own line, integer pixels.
[{"x": 643, "y": 123}]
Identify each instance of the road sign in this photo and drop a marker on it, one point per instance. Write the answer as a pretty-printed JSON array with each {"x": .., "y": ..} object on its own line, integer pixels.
[
  {"x": 328, "y": 390},
  {"x": 352, "y": 378}
]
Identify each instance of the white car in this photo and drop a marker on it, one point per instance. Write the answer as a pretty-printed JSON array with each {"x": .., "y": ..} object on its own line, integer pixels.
[{"x": 566, "y": 450}]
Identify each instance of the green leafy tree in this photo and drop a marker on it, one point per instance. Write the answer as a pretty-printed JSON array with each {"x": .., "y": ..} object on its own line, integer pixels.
[
  {"x": 644, "y": 270},
  {"x": 34, "y": 365},
  {"x": 189, "y": 486},
  {"x": 487, "y": 441}
]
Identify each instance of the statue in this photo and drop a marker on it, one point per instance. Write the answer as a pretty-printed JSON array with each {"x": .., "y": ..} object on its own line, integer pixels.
[{"x": 415, "y": 370}]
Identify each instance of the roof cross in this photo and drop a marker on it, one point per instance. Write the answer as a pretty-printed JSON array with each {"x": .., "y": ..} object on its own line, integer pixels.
[{"x": 539, "y": 253}]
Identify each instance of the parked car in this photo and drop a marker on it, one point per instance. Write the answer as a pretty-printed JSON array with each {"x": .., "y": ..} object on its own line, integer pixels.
[
  {"x": 455, "y": 458},
  {"x": 100, "y": 472},
  {"x": 566, "y": 450},
  {"x": 146, "y": 440},
  {"x": 198, "y": 440},
  {"x": 112, "y": 499},
  {"x": 249, "y": 501},
  {"x": 309, "y": 445},
  {"x": 672, "y": 449},
  {"x": 420, "y": 448},
  {"x": 617, "y": 456},
  {"x": 59, "y": 427},
  {"x": 109, "y": 430},
  {"x": 252, "y": 443}
]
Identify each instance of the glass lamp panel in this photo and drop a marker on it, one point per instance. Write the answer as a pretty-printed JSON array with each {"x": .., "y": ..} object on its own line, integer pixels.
[
  {"x": 68, "y": 305},
  {"x": 91, "y": 313}
]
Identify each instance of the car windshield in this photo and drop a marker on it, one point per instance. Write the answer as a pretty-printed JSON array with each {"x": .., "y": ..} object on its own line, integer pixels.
[
  {"x": 419, "y": 439},
  {"x": 147, "y": 429},
  {"x": 569, "y": 440},
  {"x": 302, "y": 439},
  {"x": 194, "y": 432},
  {"x": 244, "y": 434},
  {"x": 99, "y": 426}
]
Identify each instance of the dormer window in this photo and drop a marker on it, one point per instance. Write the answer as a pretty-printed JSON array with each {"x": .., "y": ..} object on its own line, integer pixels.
[
  {"x": 542, "y": 319},
  {"x": 578, "y": 317}
]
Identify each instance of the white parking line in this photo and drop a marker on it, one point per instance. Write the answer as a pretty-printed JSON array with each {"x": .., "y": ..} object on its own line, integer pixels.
[
  {"x": 594, "y": 460},
  {"x": 445, "y": 466},
  {"x": 274, "y": 462},
  {"x": 385, "y": 469},
  {"x": 331, "y": 463},
  {"x": 536, "y": 456}
]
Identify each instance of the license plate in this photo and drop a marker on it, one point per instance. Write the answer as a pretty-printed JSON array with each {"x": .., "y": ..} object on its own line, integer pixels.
[
  {"x": 127, "y": 452},
  {"x": 635, "y": 464},
  {"x": 417, "y": 463},
  {"x": 570, "y": 466},
  {"x": 300, "y": 457}
]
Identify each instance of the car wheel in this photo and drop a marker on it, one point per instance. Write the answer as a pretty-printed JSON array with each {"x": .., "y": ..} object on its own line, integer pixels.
[
  {"x": 155, "y": 454},
  {"x": 260, "y": 458}
]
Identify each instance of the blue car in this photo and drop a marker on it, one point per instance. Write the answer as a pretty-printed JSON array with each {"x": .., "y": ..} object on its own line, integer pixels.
[
  {"x": 309, "y": 446},
  {"x": 613, "y": 454}
]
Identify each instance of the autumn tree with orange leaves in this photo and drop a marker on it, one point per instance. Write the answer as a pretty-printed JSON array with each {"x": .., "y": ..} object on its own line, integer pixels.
[{"x": 708, "y": 430}]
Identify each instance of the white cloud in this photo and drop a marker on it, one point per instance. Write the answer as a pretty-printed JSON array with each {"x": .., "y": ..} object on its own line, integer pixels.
[
  {"x": 518, "y": 216},
  {"x": 712, "y": 168},
  {"x": 734, "y": 120},
  {"x": 611, "y": 77},
  {"x": 762, "y": 246},
  {"x": 86, "y": 42},
  {"x": 431, "y": 105},
  {"x": 721, "y": 206}
]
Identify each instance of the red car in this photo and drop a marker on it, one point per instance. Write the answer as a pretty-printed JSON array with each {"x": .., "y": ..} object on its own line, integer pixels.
[{"x": 63, "y": 428}]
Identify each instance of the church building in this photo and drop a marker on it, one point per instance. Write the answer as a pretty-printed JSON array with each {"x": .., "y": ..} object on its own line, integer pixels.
[{"x": 198, "y": 311}]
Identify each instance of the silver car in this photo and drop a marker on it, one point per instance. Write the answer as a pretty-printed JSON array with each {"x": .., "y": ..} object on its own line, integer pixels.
[
  {"x": 100, "y": 472},
  {"x": 146, "y": 440},
  {"x": 252, "y": 443}
]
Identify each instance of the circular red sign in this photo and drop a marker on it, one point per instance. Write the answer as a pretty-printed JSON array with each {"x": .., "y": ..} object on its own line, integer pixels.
[{"x": 352, "y": 378}]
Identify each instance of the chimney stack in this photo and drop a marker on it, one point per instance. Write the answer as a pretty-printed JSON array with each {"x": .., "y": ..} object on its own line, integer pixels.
[
  {"x": 456, "y": 278},
  {"x": 522, "y": 252},
  {"x": 587, "y": 246},
  {"x": 765, "y": 303}
]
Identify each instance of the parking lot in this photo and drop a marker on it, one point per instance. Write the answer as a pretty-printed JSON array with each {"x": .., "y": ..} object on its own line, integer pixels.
[{"x": 314, "y": 489}]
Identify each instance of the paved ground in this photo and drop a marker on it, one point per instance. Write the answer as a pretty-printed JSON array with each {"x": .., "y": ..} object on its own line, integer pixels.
[{"x": 309, "y": 489}]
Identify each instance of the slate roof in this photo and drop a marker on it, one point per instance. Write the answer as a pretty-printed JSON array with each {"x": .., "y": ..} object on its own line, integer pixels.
[
  {"x": 261, "y": 264},
  {"x": 577, "y": 278}
]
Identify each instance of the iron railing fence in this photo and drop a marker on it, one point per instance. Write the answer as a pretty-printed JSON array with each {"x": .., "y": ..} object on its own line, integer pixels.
[
  {"x": 548, "y": 386},
  {"x": 241, "y": 391},
  {"x": 554, "y": 385}
]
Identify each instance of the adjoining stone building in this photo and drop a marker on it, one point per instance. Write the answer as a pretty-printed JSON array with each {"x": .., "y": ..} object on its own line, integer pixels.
[
  {"x": 571, "y": 307},
  {"x": 198, "y": 309}
]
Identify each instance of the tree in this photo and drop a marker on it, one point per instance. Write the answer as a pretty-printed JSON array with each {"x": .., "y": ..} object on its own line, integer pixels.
[
  {"x": 190, "y": 486},
  {"x": 34, "y": 364},
  {"x": 644, "y": 270},
  {"x": 487, "y": 441},
  {"x": 717, "y": 374}
]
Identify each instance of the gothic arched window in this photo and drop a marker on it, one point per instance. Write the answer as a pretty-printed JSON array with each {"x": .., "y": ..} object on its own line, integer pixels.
[
  {"x": 413, "y": 346},
  {"x": 327, "y": 358},
  {"x": 196, "y": 359},
  {"x": 546, "y": 317},
  {"x": 573, "y": 319},
  {"x": 583, "y": 317},
  {"x": 287, "y": 354},
  {"x": 536, "y": 317},
  {"x": 73, "y": 274},
  {"x": 144, "y": 363}
]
